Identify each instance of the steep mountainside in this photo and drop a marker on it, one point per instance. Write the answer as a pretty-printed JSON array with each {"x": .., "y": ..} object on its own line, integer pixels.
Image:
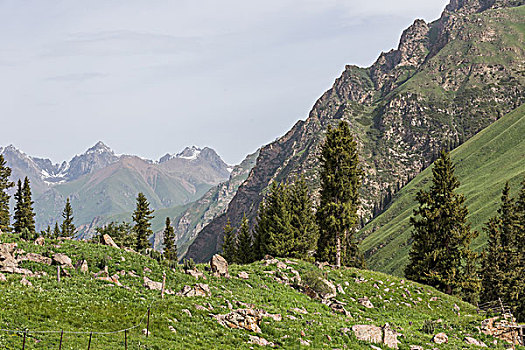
[
  {"x": 483, "y": 165},
  {"x": 199, "y": 213},
  {"x": 446, "y": 81},
  {"x": 101, "y": 184}
]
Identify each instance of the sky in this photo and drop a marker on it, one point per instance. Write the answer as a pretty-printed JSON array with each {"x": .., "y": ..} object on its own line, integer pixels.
[{"x": 150, "y": 77}]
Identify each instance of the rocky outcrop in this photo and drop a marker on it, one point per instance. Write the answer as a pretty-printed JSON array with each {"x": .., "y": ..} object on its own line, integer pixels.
[
  {"x": 431, "y": 91},
  {"x": 379, "y": 335},
  {"x": 501, "y": 329},
  {"x": 109, "y": 241},
  {"x": 198, "y": 290},
  {"x": 219, "y": 266}
]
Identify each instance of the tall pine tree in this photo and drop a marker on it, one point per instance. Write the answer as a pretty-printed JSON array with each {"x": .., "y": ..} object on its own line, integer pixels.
[
  {"x": 170, "y": 248},
  {"x": 142, "y": 216},
  {"x": 68, "y": 228},
  {"x": 503, "y": 270},
  {"x": 440, "y": 255},
  {"x": 244, "y": 243},
  {"x": 229, "y": 247},
  {"x": 5, "y": 185},
  {"x": 305, "y": 231},
  {"x": 29, "y": 214},
  {"x": 24, "y": 214},
  {"x": 56, "y": 231},
  {"x": 337, "y": 213},
  {"x": 18, "y": 223}
]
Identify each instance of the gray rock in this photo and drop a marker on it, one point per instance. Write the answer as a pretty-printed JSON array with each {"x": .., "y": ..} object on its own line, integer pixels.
[
  {"x": 40, "y": 241},
  {"x": 365, "y": 302},
  {"x": 3, "y": 278},
  {"x": 219, "y": 266},
  {"x": 260, "y": 341},
  {"x": 244, "y": 275},
  {"x": 199, "y": 290},
  {"x": 440, "y": 338},
  {"x": 369, "y": 333},
  {"x": 62, "y": 259},
  {"x": 36, "y": 258},
  {"x": 473, "y": 341},
  {"x": 390, "y": 337},
  {"x": 109, "y": 241}
]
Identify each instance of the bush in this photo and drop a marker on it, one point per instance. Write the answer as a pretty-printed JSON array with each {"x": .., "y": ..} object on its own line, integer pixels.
[{"x": 313, "y": 279}]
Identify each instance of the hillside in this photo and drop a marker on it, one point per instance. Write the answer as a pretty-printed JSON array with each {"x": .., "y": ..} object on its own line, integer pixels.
[
  {"x": 483, "y": 165},
  {"x": 446, "y": 81},
  {"x": 93, "y": 302}
]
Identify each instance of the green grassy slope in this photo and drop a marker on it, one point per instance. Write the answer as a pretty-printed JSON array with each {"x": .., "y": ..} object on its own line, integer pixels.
[
  {"x": 82, "y": 303},
  {"x": 483, "y": 165}
]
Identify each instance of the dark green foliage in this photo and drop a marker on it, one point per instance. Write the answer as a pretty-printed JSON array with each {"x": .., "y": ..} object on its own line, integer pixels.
[
  {"x": 142, "y": 216},
  {"x": 286, "y": 224},
  {"x": 68, "y": 228},
  {"x": 47, "y": 233},
  {"x": 340, "y": 182},
  {"x": 24, "y": 214},
  {"x": 503, "y": 270},
  {"x": 274, "y": 224},
  {"x": 122, "y": 234},
  {"x": 314, "y": 279},
  {"x": 56, "y": 231},
  {"x": 189, "y": 264},
  {"x": 305, "y": 231},
  {"x": 5, "y": 185},
  {"x": 229, "y": 247},
  {"x": 170, "y": 248},
  {"x": 244, "y": 243},
  {"x": 440, "y": 255}
]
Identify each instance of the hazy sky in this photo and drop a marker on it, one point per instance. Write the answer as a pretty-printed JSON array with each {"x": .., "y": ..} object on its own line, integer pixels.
[{"x": 152, "y": 76}]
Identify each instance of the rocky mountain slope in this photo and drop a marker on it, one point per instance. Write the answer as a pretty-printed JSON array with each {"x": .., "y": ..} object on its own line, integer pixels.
[
  {"x": 446, "y": 81},
  {"x": 101, "y": 184},
  {"x": 483, "y": 165},
  {"x": 196, "y": 215},
  {"x": 286, "y": 304}
]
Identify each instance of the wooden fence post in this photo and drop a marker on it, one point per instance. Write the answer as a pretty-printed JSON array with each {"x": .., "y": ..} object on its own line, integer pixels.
[
  {"x": 147, "y": 326},
  {"x": 126, "y": 339},
  {"x": 61, "y": 336},
  {"x": 89, "y": 344},
  {"x": 24, "y": 342},
  {"x": 58, "y": 273}
]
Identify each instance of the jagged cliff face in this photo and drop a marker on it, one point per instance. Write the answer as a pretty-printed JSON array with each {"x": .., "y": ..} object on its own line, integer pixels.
[{"x": 446, "y": 81}]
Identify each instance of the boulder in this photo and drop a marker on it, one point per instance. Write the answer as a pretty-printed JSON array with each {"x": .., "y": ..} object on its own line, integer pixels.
[
  {"x": 260, "y": 341},
  {"x": 36, "y": 258},
  {"x": 365, "y": 302},
  {"x": 62, "y": 259},
  {"x": 82, "y": 266},
  {"x": 199, "y": 290},
  {"x": 248, "y": 319},
  {"x": 40, "y": 241},
  {"x": 390, "y": 337},
  {"x": 473, "y": 341},
  {"x": 195, "y": 273},
  {"x": 21, "y": 271},
  {"x": 109, "y": 241},
  {"x": 219, "y": 266},
  {"x": 149, "y": 284},
  {"x": 244, "y": 275},
  {"x": 440, "y": 338},
  {"x": 369, "y": 333},
  {"x": 500, "y": 329}
]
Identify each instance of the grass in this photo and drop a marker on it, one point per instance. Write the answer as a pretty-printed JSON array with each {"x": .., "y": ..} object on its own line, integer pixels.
[
  {"x": 483, "y": 165},
  {"x": 82, "y": 303}
]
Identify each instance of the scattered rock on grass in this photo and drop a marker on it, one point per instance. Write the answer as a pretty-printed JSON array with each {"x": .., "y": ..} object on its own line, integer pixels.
[
  {"x": 3, "y": 278},
  {"x": 260, "y": 341},
  {"x": 366, "y": 302},
  {"x": 244, "y": 275},
  {"x": 219, "y": 266},
  {"x": 25, "y": 282},
  {"x": 62, "y": 259},
  {"x": 199, "y": 290},
  {"x": 440, "y": 338},
  {"x": 371, "y": 333},
  {"x": 40, "y": 241},
  {"x": 473, "y": 341},
  {"x": 109, "y": 241}
]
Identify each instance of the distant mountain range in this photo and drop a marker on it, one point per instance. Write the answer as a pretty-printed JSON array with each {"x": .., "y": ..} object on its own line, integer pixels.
[{"x": 102, "y": 185}]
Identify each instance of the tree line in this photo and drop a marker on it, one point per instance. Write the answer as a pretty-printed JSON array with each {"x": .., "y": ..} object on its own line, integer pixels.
[{"x": 287, "y": 224}]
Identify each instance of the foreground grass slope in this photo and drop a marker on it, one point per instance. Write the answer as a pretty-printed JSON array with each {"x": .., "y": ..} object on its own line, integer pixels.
[
  {"x": 483, "y": 165},
  {"x": 82, "y": 303}
]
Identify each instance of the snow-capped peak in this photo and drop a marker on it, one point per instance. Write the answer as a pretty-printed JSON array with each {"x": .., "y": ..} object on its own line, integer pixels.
[
  {"x": 189, "y": 153},
  {"x": 99, "y": 148}
]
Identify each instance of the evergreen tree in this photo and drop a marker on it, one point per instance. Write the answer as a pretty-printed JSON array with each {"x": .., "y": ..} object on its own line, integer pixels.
[
  {"x": 56, "y": 231},
  {"x": 244, "y": 243},
  {"x": 5, "y": 185},
  {"x": 170, "y": 248},
  {"x": 503, "y": 270},
  {"x": 18, "y": 223},
  {"x": 29, "y": 214},
  {"x": 337, "y": 213},
  {"x": 122, "y": 234},
  {"x": 519, "y": 292},
  {"x": 142, "y": 216},
  {"x": 47, "y": 232},
  {"x": 68, "y": 228},
  {"x": 440, "y": 255},
  {"x": 274, "y": 232},
  {"x": 229, "y": 247},
  {"x": 305, "y": 232}
]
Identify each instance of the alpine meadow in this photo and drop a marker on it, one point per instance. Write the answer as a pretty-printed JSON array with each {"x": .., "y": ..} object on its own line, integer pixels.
[{"x": 391, "y": 217}]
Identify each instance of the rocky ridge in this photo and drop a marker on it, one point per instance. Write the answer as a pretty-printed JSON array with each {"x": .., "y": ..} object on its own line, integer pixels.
[{"x": 446, "y": 81}]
